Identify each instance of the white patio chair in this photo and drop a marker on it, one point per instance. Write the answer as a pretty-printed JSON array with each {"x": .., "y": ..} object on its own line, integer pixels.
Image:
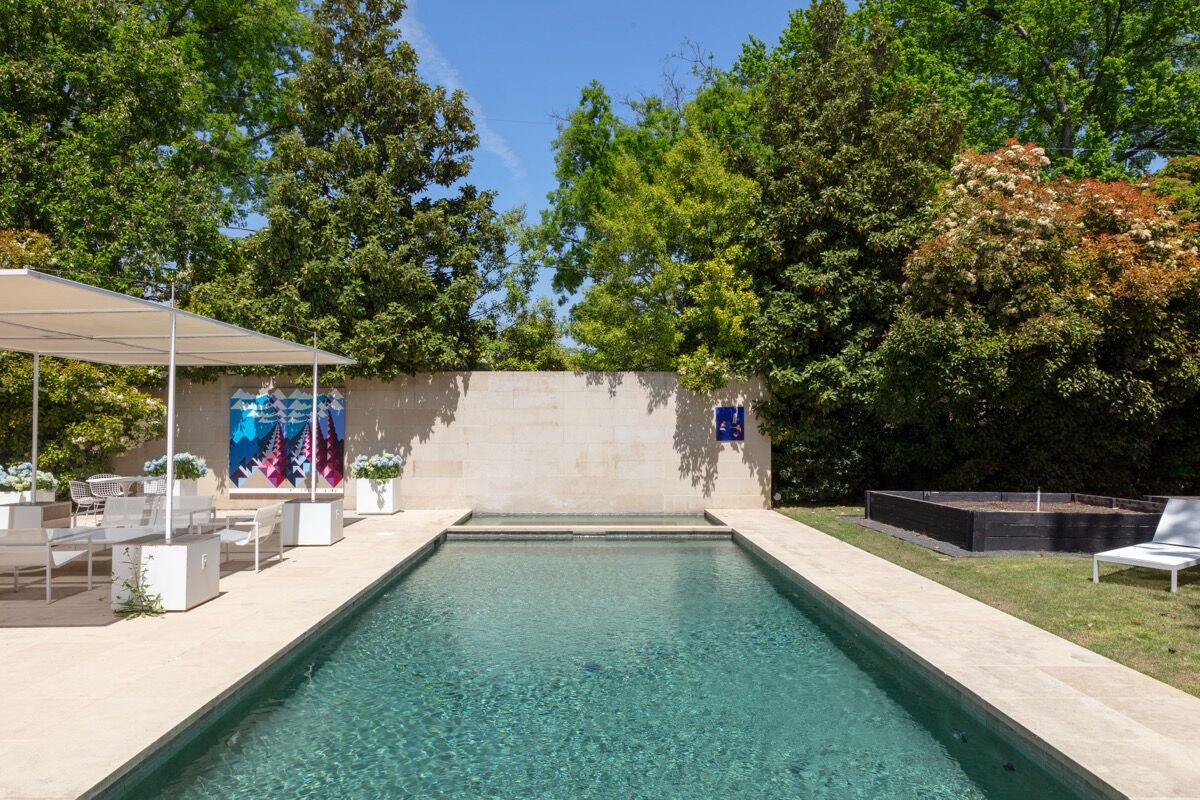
[
  {"x": 84, "y": 501},
  {"x": 44, "y": 548},
  {"x": 253, "y": 531},
  {"x": 1175, "y": 546},
  {"x": 154, "y": 486}
]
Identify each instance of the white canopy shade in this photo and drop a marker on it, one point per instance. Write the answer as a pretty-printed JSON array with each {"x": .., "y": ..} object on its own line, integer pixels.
[
  {"x": 51, "y": 316},
  {"x": 54, "y": 316}
]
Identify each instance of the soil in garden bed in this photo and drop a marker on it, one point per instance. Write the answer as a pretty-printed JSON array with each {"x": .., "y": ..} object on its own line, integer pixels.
[{"x": 1015, "y": 505}]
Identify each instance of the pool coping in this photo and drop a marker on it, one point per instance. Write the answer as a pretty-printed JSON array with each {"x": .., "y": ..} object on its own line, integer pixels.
[{"x": 1103, "y": 727}]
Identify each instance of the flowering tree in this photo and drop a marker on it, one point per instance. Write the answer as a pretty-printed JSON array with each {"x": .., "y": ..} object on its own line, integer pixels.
[{"x": 1050, "y": 336}]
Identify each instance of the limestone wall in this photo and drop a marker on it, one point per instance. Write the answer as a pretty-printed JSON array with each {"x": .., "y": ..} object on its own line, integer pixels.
[{"x": 520, "y": 441}]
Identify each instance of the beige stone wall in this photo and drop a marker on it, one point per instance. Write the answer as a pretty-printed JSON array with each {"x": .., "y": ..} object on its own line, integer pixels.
[{"x": 522, "y": 441}]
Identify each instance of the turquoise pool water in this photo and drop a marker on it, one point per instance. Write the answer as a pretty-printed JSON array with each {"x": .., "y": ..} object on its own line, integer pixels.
[{"x": 596, "y": 670}]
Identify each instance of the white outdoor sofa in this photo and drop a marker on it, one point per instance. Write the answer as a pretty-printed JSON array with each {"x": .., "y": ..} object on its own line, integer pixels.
[{"x": 1175, "y": 546}]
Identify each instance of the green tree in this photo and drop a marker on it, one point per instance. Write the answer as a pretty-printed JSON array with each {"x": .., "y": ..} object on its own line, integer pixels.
[
  {"x": 531, "y": 340},
  {"x": 1105, "y": 86},
  {"x": 665, "y": 249},
  {"x": 853, "y": 163},
  {"x": 1050, "y": 337},
  {"x": 373, "y": 239},
  {"x": 129, "y": 131},
  {"x": 589, "y": 143}
]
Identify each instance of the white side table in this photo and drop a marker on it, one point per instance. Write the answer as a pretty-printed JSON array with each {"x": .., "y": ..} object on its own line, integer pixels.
[{"x": 185, "y": 571}]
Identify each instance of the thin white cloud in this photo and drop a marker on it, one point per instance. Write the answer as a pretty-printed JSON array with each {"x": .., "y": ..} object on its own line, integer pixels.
[{"x": 444, "y": 73}]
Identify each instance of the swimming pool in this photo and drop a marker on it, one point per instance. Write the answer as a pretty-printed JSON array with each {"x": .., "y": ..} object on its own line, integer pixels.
[
  {"x": 601, "y": 670},
  {"x": 487, "y": 520}
]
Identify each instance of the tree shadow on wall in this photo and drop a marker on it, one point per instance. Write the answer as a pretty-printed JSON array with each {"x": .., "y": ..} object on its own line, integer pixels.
[
  {"x": 397, "y": 415},
  {"x": 659, "y": 387},
  {"x": 612, "y": 380},
  {"x": 696, "y": 442}
]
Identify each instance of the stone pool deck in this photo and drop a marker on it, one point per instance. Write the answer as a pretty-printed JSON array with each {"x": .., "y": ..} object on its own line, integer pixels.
[
  {"x": 87, "y": 695},
  {"x": 1105, "y": 726}
]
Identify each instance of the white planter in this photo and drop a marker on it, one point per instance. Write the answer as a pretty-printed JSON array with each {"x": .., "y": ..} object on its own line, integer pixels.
[
  {"x": 186, "y": 572},
  {"x": 43, "y": 496},
  {"x": 377, "y": 496},
  {"x": 185, "y": 487},
  {"x": 305, "y": 522}
]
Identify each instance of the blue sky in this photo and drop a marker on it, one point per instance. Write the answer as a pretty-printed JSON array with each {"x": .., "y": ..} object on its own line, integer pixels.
[{"x": 523, "y": 63}]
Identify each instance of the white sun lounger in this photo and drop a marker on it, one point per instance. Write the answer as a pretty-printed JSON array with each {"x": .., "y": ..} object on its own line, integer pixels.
[{"x": 1176, "y": 544}]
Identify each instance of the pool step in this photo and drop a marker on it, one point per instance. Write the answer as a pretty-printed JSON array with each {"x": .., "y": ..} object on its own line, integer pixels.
[{"x": 588, "y": 532}]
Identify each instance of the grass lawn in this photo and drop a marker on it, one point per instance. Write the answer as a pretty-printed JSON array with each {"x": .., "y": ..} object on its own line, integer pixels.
[{"x": 1130, "y": 617}]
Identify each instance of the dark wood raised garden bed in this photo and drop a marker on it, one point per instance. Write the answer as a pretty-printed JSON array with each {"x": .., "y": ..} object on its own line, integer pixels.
[{"x": 982, "y": 521}]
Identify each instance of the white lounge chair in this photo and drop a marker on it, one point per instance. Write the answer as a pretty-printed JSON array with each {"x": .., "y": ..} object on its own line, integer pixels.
[
  {"x": 124, "y": 518},
  {"x": 44, "y": 548},
  {"x": 1175, "y": 546},
  {"x": 253, "y": 531},
  {"x": 192, "y": 513}
]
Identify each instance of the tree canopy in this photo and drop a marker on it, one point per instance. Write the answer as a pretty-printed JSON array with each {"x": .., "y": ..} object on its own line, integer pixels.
[
  {"x": 130, "y": 132},
  {"x": 374, "y": 241},
  {"x": 849, "y": 172},
  {"x": 1104, "y": 86},
  {"x": 796, "y": 218}
]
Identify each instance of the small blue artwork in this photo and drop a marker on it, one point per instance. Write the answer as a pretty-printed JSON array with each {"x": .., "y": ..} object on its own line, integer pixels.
[{"x": 731, "y": 423}]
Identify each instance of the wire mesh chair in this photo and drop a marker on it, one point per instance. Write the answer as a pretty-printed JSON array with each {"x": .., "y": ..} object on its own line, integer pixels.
[
  {"x": 154, "y": 486},
  {"x": 85, "y": 502},
  {"x": 106, "y": 485}
]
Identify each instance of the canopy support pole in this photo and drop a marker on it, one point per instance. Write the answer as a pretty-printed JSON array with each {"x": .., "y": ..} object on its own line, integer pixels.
[
  {"x": 33, "y": 447},
  {"x": 313, "y": 443},
  {"x": 170, "y": 491}
]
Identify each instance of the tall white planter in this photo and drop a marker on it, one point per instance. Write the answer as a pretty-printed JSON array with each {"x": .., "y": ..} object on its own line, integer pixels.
[
  {"x": 377, "y": 496},
  {"x": 185, "y": 572},
  {"x": 306, "y": 522},
  {"x": 185, "y": 487},
  {"x": 43, "y": 496}
]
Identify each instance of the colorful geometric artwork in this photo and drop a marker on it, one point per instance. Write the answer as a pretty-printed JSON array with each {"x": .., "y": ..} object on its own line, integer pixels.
[
  {"x": 731, "y": 423},
  {"x": 270, "y": 433}
]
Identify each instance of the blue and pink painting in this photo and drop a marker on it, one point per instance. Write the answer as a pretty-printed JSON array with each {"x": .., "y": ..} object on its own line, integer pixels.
[
  {"x": 270, "y": 433},
  {"x": 731, "y": 423}
]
